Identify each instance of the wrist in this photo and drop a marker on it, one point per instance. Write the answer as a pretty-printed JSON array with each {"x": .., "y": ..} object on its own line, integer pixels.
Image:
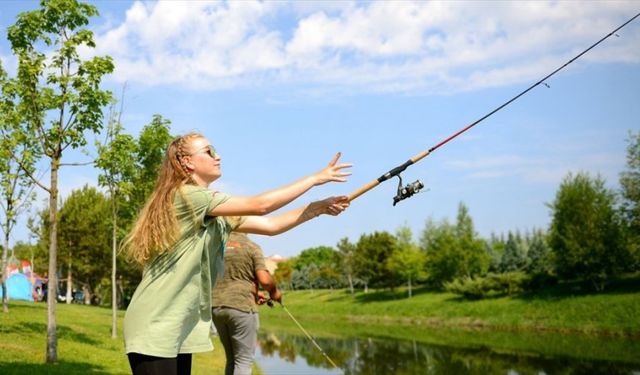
[
  {"x": 312, "y": 211},
  {"x": 315, "y": 180}
]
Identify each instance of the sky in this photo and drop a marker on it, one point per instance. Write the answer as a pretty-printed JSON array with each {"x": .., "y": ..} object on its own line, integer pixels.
[{"x": 279, "y": 87}]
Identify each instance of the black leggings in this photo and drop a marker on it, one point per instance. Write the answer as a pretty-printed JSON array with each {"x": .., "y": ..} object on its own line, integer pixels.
[{"x": 147, "y": 365}]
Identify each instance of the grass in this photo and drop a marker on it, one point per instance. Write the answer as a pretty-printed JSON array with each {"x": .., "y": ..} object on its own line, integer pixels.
[
  {"x": 563, "y": 321},
  {"x": 85, "y": 345},
  {"x": 560, "y": 321},
  {"x": 565, "y": 308}
]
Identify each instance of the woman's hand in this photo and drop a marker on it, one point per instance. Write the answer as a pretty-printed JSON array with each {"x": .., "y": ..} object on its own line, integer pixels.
[
  {"x": 333, "y": 172},
  {"x": 330, "y": 206}
]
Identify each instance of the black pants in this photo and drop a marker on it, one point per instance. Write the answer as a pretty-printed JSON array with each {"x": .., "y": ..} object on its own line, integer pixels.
[{"x": 147, "y": 365}]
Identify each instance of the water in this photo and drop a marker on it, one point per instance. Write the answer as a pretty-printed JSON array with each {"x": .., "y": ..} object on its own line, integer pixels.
[{"x": 286, "y": 353}]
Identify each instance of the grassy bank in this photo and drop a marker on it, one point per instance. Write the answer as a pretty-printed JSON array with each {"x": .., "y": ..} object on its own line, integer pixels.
[
  {"x": 84, "y": 342},
  {"x": 565, "y": 308},
  {"x": 560, "y": 322}
]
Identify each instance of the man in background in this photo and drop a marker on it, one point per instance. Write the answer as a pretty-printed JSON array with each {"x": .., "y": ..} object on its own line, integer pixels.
[{"x": 235, "y": 302}]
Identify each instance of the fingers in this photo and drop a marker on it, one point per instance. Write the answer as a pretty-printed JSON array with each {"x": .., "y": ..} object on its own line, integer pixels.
[
  {"x": 337, "y": 174},
  {"x": 335, "y": 159},
  {"x": 337, "y": 205},
  {"x": 334, "y": 172}
]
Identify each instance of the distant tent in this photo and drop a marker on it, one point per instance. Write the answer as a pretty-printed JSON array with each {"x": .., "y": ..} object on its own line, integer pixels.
[{"x": 19, "y": 287}]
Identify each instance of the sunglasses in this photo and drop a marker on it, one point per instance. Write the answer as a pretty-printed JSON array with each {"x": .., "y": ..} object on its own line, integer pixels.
[{"x": 208, "y": 149}]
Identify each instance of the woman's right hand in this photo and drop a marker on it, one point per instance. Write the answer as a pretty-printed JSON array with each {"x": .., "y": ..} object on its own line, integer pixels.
[
  {"x": 333, "y": 206},
  {"x": 333, "y": 172}
]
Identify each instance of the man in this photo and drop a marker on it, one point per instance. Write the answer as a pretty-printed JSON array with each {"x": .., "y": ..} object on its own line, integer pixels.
[{"x": 235, "y": 299}]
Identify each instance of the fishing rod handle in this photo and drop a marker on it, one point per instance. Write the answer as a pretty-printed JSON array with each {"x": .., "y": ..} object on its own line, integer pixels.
[
  {"x": 363, "y": 189},
  {"x": 271, "y": 304}
]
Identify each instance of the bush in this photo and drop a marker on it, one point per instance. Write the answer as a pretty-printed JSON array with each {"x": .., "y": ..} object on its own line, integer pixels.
[{"x": 491, "y": 285}]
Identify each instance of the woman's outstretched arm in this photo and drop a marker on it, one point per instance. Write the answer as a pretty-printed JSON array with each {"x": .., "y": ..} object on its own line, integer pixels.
[
  {"x": 272, "y": 200},
  {"x": 273, "y": 225}
]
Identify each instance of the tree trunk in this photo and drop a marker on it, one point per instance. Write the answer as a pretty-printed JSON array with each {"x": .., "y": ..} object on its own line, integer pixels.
[
  {"x": 353, "y": 293},
  {"x": 52, "y": 341},
  {"x": 86, "y": 294},
  {"x": 410, "y": 291},
  {"x": 69, "y": 281},
  {"x": 114, "y": 290},
  {"x": 5, "y": 250}
]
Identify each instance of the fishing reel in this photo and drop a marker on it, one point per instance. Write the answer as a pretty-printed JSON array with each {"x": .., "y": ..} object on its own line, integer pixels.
[{"x": 405, "y": 192}]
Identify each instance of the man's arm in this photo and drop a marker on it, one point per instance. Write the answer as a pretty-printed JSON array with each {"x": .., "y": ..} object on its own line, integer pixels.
[{"x": 268, "y": 284}]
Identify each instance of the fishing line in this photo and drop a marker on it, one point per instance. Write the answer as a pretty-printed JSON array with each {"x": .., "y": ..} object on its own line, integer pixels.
[
  {"x": 414, "y": 187},
  {"x": 270, "y": 303}
]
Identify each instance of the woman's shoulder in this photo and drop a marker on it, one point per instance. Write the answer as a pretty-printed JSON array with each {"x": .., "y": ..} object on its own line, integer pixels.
[{"x": 199, "y": 194}]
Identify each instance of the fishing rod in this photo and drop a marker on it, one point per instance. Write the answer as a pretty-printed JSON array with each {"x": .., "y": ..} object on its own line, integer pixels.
[
  {"x": 410, "y": 189},
  {"x": 270, "y": 304}
]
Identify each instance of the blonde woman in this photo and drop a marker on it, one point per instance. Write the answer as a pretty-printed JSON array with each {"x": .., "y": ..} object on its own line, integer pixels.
[{"x": 179, "y": 240}]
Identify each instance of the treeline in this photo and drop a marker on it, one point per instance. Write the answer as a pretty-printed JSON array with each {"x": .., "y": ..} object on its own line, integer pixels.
[{"x": 594, "y": 236}]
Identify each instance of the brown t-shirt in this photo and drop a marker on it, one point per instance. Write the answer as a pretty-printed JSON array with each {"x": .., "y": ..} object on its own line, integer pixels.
[{"x": 237, "y": 286}]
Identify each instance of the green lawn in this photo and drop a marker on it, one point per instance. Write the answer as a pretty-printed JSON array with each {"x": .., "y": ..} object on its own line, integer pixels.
[{"x": 84, "y": 342}]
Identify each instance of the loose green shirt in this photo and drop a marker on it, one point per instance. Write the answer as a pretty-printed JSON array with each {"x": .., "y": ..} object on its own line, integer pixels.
[
  {"x": 236, "y": 288},
  {"x": 170, "y": 311}
]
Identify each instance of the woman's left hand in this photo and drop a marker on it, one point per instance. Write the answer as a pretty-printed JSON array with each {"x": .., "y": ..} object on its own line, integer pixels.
[{"x": 333, "y": 172}]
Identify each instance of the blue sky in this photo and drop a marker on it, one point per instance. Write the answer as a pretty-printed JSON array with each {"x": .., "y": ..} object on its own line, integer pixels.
[{"x": 279, "y": 87}]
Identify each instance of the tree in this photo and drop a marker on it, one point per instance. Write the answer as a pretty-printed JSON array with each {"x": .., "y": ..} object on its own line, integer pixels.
[
  {"x": 59, "y": 99},
  {"x": 513, "y": 258},
  {"x": 83, "y": 239},
  {"x": 347, "y": 250},
  {"x": 439, "y": 243},
  {"x": 630, "y": 189},
  {"x": 370, "y": 259},
  {"x": 116, "y": 161},
  {"x": 539, "y": 255},
  {"x": 454, "y": 250},
  {"x": 317, "y": 267},
  {"x": 586, "y": 233},
  {"x": 475, "y": 260},
  {"x": 408, "y": 261},
  {"x": 15, "y": 190},
  {"x": 283, "y": 274},
  {"x": 151, "y": 145}
]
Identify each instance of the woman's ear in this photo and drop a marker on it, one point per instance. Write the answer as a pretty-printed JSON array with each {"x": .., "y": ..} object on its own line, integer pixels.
[{"x": 186, "y": 164}]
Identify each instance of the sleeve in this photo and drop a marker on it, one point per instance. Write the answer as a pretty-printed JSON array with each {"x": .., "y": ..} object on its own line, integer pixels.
[
  {"x": 258, "y": 260},
  {"x": 208, "y": 200},
  {"x": 217, "y": 198},
  {"x": 233, "y": 222}
]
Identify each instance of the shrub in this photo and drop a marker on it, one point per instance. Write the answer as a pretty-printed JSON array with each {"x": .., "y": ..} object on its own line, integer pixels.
[{"x": 491, "y": 285}]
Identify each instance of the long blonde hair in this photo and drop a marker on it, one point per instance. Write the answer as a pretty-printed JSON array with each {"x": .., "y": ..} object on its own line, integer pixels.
[{"x": 156, "y": 228}]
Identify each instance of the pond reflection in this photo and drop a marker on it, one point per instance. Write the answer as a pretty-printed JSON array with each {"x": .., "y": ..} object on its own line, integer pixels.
[{"x": 291, "y": 354}]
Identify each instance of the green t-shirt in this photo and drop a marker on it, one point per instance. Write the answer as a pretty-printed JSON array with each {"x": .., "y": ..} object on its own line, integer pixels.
[
  {"x": 170, "y": 311},
  {"x": 236, "y": 288}
]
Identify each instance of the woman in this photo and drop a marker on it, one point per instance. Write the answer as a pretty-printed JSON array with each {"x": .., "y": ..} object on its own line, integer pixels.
[{"x": 179, "y": 239}]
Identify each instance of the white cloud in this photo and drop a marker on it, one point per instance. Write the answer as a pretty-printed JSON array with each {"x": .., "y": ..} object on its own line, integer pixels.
[{"x": 377, "y": 46}]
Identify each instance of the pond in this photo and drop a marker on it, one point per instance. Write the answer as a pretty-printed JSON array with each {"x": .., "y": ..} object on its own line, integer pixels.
[{"x": 464, "y": 353}]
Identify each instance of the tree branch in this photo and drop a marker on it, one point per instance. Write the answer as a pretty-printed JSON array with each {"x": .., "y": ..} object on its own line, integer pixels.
[
  {"x": 28, "y": 173},
  {"x": 77, "y": 164}
]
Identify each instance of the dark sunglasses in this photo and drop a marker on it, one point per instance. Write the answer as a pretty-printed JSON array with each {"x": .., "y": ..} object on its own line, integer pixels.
[{"x": 208, "y": 149}]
